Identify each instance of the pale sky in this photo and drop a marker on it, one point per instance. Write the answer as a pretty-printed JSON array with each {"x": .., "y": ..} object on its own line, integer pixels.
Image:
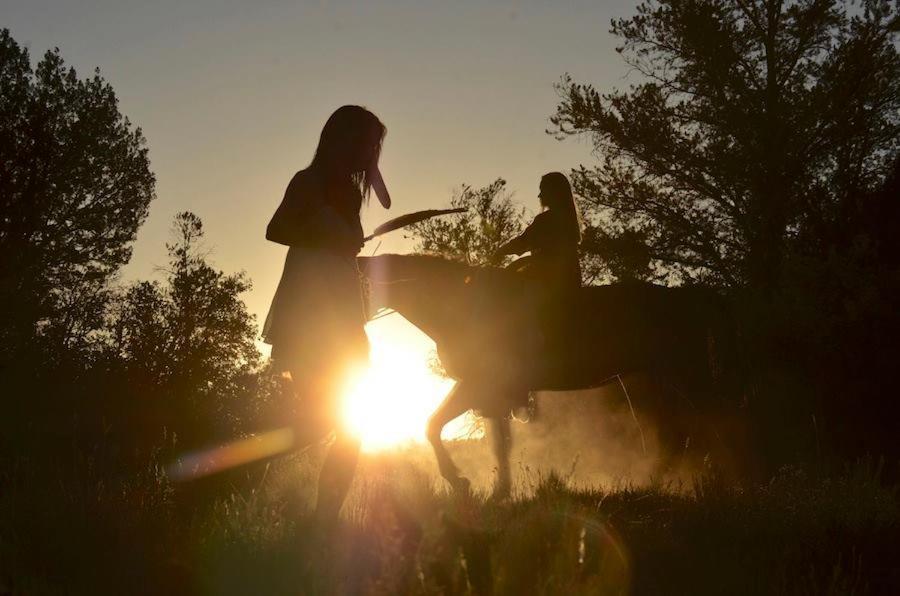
[{"x": 232, "y": 96}]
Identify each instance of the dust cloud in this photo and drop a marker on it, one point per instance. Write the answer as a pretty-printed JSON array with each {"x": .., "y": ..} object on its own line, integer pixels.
[{"x": 590, "y": 438}]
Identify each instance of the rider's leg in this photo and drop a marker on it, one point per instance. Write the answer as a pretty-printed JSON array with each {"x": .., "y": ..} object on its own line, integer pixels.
[{"x": 458, "y": 401}]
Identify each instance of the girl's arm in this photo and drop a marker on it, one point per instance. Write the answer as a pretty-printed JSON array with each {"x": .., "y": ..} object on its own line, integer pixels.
[
  {"x": 538, "y": 233},
  {"x": 304, "y": 219},
  {"x": 516, "y": 246},
  {"x": 286, "y": 225},
  {"x": 523, "y": 242}
]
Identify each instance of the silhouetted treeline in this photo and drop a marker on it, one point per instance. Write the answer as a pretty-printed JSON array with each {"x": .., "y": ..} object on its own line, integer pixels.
[
  {"x": 85, "y": 361},
  {"x": 168, "y": 363}
]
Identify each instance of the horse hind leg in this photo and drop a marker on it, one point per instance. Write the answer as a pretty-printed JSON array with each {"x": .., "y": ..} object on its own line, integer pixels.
[{"x": 457, "y": 402}]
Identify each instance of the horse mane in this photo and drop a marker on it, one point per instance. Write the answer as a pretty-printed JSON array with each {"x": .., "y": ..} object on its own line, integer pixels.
[
  {"x": 438, "y": 264},
  {"x": 430, "y": 261}
]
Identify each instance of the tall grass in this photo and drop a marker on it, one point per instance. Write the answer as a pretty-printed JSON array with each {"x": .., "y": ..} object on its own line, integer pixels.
[{"x": 69, "y": 529}]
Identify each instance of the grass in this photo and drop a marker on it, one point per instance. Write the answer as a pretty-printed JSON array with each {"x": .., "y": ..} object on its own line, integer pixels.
[{"x": 69, "y": 529}]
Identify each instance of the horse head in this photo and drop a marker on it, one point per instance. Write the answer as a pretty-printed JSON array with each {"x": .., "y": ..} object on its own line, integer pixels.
[
  {"x": 459, "y": 306},
  {"x": 426, "y": 290}
]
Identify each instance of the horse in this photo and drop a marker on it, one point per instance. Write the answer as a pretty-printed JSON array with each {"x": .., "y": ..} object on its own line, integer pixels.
[{"x": 500, "y": 341}]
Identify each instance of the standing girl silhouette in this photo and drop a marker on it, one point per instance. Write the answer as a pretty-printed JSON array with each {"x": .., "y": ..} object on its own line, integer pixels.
[{"x": 315, "y": 323}]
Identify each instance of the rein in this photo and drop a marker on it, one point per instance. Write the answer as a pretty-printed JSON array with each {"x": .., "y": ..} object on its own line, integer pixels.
[{"x": 367, "y": 282}]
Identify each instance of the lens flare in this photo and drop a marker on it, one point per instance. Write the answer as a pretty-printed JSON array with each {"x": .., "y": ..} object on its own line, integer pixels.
[{"x": 223, "y": 457}]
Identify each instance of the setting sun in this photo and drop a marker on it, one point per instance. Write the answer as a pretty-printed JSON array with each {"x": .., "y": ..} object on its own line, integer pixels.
[{"x": 388, "y": 404}]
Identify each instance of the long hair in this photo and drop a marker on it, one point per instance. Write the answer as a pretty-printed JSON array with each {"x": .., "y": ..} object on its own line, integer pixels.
[
  {"x": 344, "y": 137},
  {"x": 559, "y": 198}
]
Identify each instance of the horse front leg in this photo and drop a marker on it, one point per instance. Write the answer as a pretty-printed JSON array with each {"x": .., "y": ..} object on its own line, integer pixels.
[
  {"x": 501, "y": 441},
  {"x": 457, "y": 402}
]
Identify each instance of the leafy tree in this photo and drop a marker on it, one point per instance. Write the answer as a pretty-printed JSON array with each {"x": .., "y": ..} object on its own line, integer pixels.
[
  {"x": 491, "y": 218},
  {"x": 75, "y": 185},
  {"x": 190, "y": 339},
  {"x": 624, "y": 256},
  {"x": 754, "y": 129}
]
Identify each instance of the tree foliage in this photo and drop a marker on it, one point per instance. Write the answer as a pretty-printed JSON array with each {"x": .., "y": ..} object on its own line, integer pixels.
[
  {"x": 75, "y": 186},
  {"x": 755, "y": 128},
  {"x": 189, "y": 338},
  {"x": 491, "y": 218}
]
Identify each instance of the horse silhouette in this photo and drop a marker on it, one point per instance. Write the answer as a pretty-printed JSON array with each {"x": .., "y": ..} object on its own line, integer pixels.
[{"x": 500, "y": 343}]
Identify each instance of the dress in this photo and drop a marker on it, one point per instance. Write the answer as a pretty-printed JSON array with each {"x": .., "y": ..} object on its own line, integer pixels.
[{"x": 316, "y": 321}]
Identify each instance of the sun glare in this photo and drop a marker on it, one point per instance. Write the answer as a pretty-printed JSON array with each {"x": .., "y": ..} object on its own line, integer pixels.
[{"x": 388, "y": 404}]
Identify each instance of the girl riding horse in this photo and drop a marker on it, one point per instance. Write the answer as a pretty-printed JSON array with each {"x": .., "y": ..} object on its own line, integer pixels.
[{"x": 552, "y": 238}]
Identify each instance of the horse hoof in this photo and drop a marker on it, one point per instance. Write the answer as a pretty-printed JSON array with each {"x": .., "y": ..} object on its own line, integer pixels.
[{"x": 462, "y": 486}]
